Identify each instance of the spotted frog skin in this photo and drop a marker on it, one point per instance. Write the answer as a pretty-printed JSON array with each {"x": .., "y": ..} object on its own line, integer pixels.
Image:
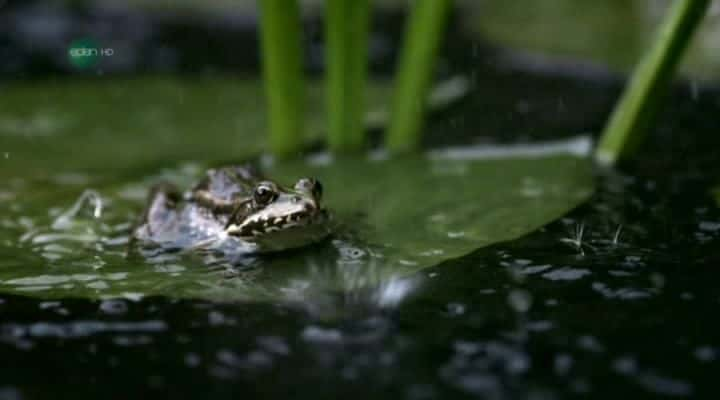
[{"x": 236, "y": 208}]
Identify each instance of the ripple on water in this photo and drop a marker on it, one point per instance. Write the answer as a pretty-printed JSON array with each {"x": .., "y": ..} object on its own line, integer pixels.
[
  {"x": 114, "y": 306},
  {"x": 566, "y": 274},
  {"x": 80, "y": 329},
  {"x": 10, "y": 393},
  {"x": 478, "y": 367},
  {"x": 317, "y": 334},
  {"x": 622, "y": 293}
]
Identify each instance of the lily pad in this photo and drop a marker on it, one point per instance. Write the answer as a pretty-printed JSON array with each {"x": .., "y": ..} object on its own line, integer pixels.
[
  {"x": 397, "y": 216},
  {"x": 117, "y": 137}
]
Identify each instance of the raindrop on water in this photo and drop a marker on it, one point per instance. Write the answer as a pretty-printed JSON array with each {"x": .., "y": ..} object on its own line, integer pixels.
[
  {"x": 456, "y": 308},
  {"x": 114, "y": 307},
  {"x": 520, "y": 300}
]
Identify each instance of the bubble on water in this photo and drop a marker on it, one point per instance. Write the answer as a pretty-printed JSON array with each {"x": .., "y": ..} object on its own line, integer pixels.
[
  {"x": 455, "y": 309},
  {"x": 590, "y": 343},
  {"x": 192, "y": 360},
  {"x": 709, "y": 226},
  {"x": 540, "y": 326},
  {"x": 632, "y": 261},
  {"x": 566, "y": 274},
  {"x": 562, "y": 364},
  {"x": 705, "y": 354},
  {"x": 535, "y": 269},
  {"x": 135, "y": 340},
  {"x": 687, "y": 296},
  {"x": 322, "y": 335},
  {"x": 623, "y": 293},
  {"x": 625, "y": 365},
  {"x": 46, "y": 305},
  {"x": 520, "y": 300},
  {"x": 664, "y": 385},
  {"x": 274, "y": 344},
  {"x": 620, "y": 273},
  {"x": 217, "y": 318},
  {"x": 113, "y": 306}
]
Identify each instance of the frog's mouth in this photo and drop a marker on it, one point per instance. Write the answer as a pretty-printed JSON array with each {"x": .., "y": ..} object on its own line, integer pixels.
[{"x": 281, "y": 226}]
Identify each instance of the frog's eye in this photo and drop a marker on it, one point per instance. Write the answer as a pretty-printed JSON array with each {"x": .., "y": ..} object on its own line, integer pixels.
[
  {"x": 310, "y": 185},
  {"x": 264, "y": 193}
]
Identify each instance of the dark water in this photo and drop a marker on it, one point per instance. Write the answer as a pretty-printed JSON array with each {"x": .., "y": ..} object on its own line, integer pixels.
[
  {"x": 537, "y": 317},
  {"x": 627, "y": 309}
]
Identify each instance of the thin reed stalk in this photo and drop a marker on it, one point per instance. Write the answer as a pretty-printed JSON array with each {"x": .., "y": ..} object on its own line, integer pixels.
[
  {"x": 423, "y": 35},
  {"x": 636, "y": 110},
  {"x": 281, "y": 34}
]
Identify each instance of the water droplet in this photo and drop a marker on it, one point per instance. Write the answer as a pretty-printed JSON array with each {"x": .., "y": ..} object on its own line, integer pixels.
[
  {"x": 709, "y": 226},
  {"x": 520, "y": 300},
  {"x": 562, "y": 364},
  {"x": 705, "y": 354},
  {"x": 318, "y": 334},
  {"x": 113, "y": 307},
  {"x": 625, "y": 365},
  {"x": 192, "y": 360},
  {"x": 456, "y": 308},
  {"x": 7, "y": 155},
  {"x": 274, "y": 344}
]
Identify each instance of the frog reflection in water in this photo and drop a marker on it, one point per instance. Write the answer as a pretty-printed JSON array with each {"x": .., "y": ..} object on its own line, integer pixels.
[{"x": 238, "y": 209}]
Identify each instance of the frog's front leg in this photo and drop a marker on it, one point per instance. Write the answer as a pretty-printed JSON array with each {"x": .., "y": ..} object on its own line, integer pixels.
[{"x": 161, "y": 212}]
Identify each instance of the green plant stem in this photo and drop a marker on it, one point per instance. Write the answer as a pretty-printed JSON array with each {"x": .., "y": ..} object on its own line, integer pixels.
[
  {"x": 422, "y": 40},
  {"x": 283, "y": 74},
  {"x": 347, "y": 28},
  {"x": 635, "y": 111}
]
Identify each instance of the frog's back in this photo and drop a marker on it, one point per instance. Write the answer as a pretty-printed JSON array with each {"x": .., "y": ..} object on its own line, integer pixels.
[
  {"x": 185, "y": 220},
  {"x": 228, "y": 182}
]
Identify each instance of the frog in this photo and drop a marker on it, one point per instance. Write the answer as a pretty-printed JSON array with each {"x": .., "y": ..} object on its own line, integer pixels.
[{"x": 236, "y": 209}]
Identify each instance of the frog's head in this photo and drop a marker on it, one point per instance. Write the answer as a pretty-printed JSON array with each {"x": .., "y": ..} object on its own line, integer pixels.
[{"x": 278, "y": 218}]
